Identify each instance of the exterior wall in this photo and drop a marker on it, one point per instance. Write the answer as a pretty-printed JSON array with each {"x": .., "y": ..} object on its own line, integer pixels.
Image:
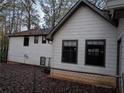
[
  {"x": 115, "y": 3},
  {"x": 33, "y": 51},
  {"x": 86, "y": 24},
  {"x": 121, "y": 35}
]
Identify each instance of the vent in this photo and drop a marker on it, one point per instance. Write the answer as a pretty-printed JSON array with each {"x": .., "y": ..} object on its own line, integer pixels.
[{"x": 42, "y": 61}]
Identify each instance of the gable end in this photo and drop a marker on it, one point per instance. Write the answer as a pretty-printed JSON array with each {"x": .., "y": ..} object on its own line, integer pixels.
[{"x": 103, "y": 14}]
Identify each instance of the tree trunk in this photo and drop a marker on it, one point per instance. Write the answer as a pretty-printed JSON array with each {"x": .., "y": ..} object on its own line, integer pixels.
[
  {"x": 13, "y": 17},
  {"x": 29, "y": 15}
]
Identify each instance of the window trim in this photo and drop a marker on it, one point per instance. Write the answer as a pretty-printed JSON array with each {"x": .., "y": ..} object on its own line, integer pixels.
[
  {"x": 24, "y": 41},
  {"x": 37, "y": 40},
  {"x": 104, "y": 52},
  {"x": 76, "y": 52}
]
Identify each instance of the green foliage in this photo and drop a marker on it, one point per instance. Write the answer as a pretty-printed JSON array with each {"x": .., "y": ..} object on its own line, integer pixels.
[
  {"x": 1, "y": 18},
  {"x": 3, "y": 47}
]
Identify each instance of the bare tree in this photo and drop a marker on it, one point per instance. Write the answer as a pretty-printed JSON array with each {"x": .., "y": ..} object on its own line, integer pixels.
[
  {"x": 31, "y": 16},
  {"x": 18, "y": 13},
  {"x": 54, "y": 10}
]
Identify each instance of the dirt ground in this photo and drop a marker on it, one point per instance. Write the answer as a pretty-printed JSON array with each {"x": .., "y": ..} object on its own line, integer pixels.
[{"x": 18, "y": 78}]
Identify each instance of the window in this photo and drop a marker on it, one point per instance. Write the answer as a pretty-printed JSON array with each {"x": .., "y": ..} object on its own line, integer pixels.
[
  {"x": 36, "y": 39},
  {"x": 69, "y": 51},
  {"x": 43, "y": 39},
  {"x": 95, "y": 52},
  {"x": 26, "y": 41},
  {"x": 42, "y": 60}
]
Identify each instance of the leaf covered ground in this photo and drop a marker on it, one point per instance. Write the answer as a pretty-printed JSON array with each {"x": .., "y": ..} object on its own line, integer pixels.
[{"x": 18, "y": 78}]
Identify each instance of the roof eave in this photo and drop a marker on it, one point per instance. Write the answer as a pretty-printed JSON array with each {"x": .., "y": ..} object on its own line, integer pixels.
[{"x": 27, "y": 35}]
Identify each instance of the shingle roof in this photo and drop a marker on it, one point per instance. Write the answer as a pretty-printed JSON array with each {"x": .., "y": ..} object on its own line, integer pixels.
[
  {"x": 103, "y": 13},
  {"x": 31, "y": 32}
]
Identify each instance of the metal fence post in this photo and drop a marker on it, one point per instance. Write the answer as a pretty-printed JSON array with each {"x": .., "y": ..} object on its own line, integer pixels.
[
  {"x": 49, "y": 65},
  {"x": 34, "y": 79},
  {"x": 123, "y": 83}
]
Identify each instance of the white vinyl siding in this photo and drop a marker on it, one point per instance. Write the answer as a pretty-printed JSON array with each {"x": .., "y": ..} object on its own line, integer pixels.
[
  {"x": 33, "y": 51},
  {"x": 86, "y": 24}
]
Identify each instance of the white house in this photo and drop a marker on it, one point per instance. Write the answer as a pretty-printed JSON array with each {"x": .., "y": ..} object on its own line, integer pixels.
[
  {"x": 30, "y": 47},
  {"x": 86, "y": 40}
]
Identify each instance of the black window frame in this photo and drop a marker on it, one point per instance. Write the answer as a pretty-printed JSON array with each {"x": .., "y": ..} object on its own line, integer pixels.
[
  {"x": 36, "y": 39},
  {"x": 104, "y": 61},
  {"x": 44, "y": 41},
  {"x": 62, "y": 60},
  {"x": 26, "y": 41}
]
